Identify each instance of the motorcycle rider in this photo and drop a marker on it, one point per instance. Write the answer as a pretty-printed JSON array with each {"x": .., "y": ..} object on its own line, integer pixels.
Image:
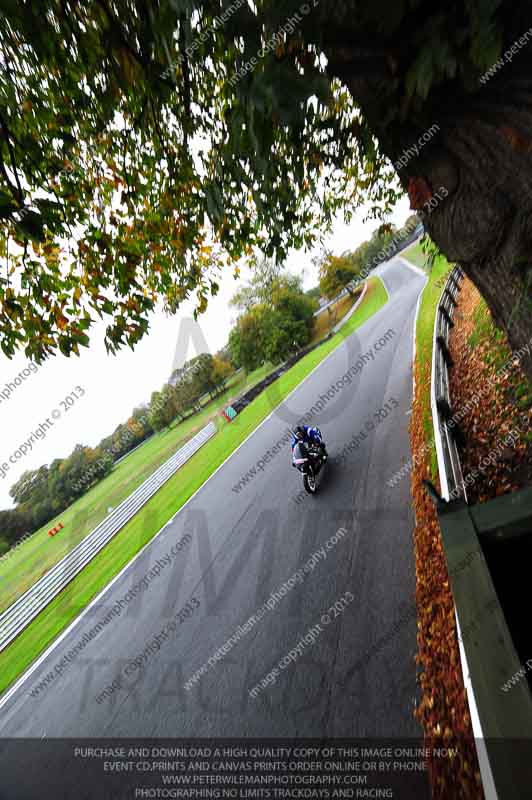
[{"x": 307, "y": 435}]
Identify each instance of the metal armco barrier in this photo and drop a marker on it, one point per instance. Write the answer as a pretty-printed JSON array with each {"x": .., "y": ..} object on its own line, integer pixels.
[
  {"x": 447, "y": 439},
  {"x": 15, "y": 619},
  {"x": 477, "y": 540}
]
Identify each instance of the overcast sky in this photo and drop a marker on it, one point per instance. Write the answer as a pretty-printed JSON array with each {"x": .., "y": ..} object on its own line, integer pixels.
[{"x": 114, "y": 385}]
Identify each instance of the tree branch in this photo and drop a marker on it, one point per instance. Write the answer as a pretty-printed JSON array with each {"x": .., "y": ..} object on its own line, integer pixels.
[
  {"x": 7, "y": 135},
  {"x": 6, "y": 176},
  {"x": 129, "y": 47},
  {"x": 186, "y": 77}
]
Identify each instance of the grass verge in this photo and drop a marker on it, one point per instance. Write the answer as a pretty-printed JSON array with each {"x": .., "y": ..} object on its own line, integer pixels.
[
  {"x": 168, "y": 500},
  {"x": 424, "y": 338}
]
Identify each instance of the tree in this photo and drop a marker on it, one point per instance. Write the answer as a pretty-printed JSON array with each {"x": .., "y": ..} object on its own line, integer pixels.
[
  {"x": 186, "y": 395},
  {"x": 203, "y": 380},
  {"x": 42, "y": 511},
  {"x": 271, "y": 332},
  {"x": 266, "y": 274},
  {"x": 294, "y": 320},
  {"x": 163, "y": 408},
  {"x": 31, "y": 484},
  {"x": 284, "y": 336},
  {"x": 14, "y": 523},
  {"x": 336, "y": 272},
  {"x": 221, "y": 370},
  {"x": 247, "y": 339},
  {"x": 224, "y": 354},
  {"x": 314, "y": 293},
  {"x": 101, "y": 102},
  {"x": 139, "y": 416}
]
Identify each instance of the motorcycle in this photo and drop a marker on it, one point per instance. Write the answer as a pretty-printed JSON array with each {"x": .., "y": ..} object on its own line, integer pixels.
[{"x": 309, "y": 460}]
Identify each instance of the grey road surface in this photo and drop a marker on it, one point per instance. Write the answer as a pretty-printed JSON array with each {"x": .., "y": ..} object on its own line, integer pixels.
[{"x": 354, "y": 675}]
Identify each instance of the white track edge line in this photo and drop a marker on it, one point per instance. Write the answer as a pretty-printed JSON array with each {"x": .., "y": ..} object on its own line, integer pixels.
[
  {"x": 412, "y": 266},
  {"x": 488, "y": 782}
]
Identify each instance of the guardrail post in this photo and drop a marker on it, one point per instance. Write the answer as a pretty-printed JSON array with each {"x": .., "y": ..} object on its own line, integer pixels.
[
  {"x": 450, "y": 297},
  {"x": 445, "y": 314},
  {"x": 445, "y": 351}
]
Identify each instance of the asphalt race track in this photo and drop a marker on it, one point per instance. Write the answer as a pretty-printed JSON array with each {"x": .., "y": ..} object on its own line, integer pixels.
[{"x": 354, "y": 676}]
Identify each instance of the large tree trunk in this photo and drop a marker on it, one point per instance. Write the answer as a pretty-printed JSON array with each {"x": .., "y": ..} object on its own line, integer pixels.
[
  {"x": 477, "y": 170},
  {"x": 485, "y": 222}
]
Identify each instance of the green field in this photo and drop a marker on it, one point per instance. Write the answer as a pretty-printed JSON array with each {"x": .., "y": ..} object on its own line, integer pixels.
[{"x": 172, "y": 496}]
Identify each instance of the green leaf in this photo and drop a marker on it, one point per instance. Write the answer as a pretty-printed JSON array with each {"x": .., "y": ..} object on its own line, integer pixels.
[
  {"x": 31, "y": 224},
  {"x": 7, "y": 209},
  {"x": 50, "y": 211},
  {"x": 7, "y": 204}
]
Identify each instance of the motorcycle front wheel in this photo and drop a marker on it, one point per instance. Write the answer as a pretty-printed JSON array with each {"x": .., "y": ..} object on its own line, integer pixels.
[{"x": 309, "y": 482}]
